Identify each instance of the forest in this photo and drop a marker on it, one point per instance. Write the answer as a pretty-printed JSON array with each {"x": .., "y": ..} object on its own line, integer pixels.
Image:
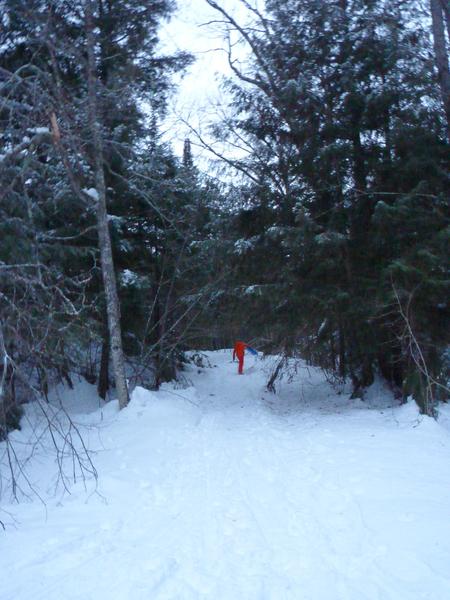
[
  {"x": 320, "y": 232},
  {"x": 184, "y": 183}
]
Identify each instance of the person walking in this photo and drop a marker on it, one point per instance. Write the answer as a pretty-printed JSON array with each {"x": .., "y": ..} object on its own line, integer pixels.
[{"x": 239, "y": 352}]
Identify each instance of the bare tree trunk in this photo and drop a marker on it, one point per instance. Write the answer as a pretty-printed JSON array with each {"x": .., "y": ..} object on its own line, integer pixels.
[
  {"x": 4, "y": 364},
  {"x": 109, "y": 278},
  {"x": 441, "y": 56},
  {"x": 103, "y": 376},
  {"x": 342, "y": 352},
  {"x": 158, "y": 334},
  {"x": 274, "y": 376},
  {"x": 446, "y": 9}
]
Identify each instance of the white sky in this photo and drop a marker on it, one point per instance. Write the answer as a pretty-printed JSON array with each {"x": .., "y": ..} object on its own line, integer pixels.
[{"x": 198, "y": 93}]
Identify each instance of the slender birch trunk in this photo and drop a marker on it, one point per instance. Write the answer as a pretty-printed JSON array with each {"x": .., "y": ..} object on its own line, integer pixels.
[
  {"x": 109, "y": 278},
  {"x": 441, "y": 56}
]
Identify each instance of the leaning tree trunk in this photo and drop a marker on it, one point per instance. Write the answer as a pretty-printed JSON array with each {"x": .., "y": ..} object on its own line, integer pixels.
[
  {"x": 109, "y": 278},
  {"x": 441, "y": 56}
]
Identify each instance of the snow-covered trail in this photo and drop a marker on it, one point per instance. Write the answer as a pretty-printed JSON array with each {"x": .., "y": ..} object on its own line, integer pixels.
[{"x": 223, "y": 491}]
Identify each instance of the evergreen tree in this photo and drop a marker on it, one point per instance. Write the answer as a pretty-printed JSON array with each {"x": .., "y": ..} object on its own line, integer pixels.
[
  {"x": 331, "y": 106},
  {"x": 48, "y": 117}
]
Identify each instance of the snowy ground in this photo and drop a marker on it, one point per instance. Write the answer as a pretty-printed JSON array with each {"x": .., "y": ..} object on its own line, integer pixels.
[{"x": 223, "y": 491}]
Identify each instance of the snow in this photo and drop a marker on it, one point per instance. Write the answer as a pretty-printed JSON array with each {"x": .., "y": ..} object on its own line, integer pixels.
[
  {"x": 242, "y": 245},
  {"x": 128, "y": 277},
  {"x": 322, "y": 327},
  {"x": 221, "y": 490},
  {"x": 252, "y": 290},
  {"x": 444, "y": 416},
  {"x": 92, "y": 193},
  {"x": 330, "y": 237},
  {"x": 39, "y": 130}
]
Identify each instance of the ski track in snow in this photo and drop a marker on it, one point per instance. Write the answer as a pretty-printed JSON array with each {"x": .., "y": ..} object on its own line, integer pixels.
[{"x": 224, "y": 491}]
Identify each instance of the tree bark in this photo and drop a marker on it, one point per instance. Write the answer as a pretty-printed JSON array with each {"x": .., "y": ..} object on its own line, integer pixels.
[
  {"x": 103, "y": 376},
  {"x": 446, "y": 8},
  {"x": 109, "y": 278},
  {"x": 157, "y": 329},
  {"x": 441, "y": 56},
  {"x": 342, "y": 352}
]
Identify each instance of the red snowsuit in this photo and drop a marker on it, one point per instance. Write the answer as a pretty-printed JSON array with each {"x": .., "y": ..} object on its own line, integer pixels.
[{"x": 239, "y": 351}]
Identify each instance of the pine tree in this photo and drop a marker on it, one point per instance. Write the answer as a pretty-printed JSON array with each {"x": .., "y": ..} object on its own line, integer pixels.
[
  {"x": 331, "y": 107},
  {"x": 49, "y": 117}
]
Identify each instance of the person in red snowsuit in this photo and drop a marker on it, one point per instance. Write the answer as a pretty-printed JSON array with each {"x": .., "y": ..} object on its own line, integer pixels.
[{"x": 239, "y": 351}]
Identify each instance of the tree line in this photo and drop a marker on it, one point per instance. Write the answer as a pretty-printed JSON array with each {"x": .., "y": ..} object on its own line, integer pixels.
[{"x": 341, "y": 118}]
